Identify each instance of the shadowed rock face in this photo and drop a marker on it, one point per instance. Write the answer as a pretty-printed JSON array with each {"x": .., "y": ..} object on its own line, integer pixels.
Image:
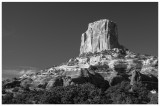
[{"x": 101, "y": 35}]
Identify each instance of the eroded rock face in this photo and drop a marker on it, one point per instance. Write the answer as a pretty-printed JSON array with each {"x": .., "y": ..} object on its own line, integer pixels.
[{"x": 101, "y": 35}]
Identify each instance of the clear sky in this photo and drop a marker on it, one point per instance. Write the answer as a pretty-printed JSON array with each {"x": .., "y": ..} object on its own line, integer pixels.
[{"x": 40, "y": 35}]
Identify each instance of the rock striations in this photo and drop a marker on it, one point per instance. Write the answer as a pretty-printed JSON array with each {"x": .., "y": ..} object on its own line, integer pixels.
[
  {"x": 102, "y": 62},
  {"x": 100, "y": 35}
]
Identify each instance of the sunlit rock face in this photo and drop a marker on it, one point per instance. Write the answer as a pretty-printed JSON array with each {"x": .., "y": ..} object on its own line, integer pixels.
[{"x": 100, "y": 35}]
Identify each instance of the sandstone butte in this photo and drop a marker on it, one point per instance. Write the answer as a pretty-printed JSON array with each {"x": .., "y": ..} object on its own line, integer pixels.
[
  {"x": 102, "y": 62},
  {"x": 100, "y": 35}
]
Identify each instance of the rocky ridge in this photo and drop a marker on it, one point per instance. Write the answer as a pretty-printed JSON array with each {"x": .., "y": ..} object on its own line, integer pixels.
[{"x": 102, "y": 62}]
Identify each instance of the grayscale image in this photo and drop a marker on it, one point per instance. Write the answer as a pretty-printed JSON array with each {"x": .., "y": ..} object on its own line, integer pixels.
[{"x": 79, "y": 52}]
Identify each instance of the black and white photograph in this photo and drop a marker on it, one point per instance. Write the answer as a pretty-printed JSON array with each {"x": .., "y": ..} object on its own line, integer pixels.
[{"x": 79, "y": 52}]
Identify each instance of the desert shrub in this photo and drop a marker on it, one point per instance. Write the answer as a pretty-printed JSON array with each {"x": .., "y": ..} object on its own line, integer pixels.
[
  {"x": 53, "y": 96},
  {"x": 7, "y": 98},
  {"x": 74, "y": 94},
  {"x": 22, "y": 98},
  {"x": 120, "y": 94},
  {"x": 85, "y": 94},
  {"x": 68, "y": 95},
  {"x": 33, "y": 97},
  {"x": 141, "y": 92},
  {"x": 27, "y": 97},
  {"x": 153, "y": 98}
]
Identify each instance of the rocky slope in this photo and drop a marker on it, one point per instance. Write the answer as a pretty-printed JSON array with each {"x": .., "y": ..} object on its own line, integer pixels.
[{"x": 102, "y": 62}]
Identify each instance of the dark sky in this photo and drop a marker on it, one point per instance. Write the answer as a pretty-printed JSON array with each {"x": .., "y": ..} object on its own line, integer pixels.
[{"x": 41, "y": 35}]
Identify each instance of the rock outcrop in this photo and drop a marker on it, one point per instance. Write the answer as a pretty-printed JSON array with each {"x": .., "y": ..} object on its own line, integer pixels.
[
  {"x": 102, "y": 62},
  {"x": 101, "y": 35}
]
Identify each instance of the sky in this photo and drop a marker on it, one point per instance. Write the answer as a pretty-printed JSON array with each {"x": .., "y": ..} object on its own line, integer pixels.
[{"x": 40, "y": 35}]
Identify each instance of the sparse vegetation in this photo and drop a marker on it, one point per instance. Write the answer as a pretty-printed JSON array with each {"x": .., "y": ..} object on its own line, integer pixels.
[{"x": 84, "y": 94}]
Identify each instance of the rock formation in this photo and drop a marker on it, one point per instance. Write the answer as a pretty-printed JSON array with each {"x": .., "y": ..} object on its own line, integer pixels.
[
  {"x": 102, "y": 62},
  {"x": 101, "y": 35}
]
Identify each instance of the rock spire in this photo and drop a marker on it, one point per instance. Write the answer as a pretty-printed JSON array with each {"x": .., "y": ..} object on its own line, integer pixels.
[{"x": 100, "y": 35}]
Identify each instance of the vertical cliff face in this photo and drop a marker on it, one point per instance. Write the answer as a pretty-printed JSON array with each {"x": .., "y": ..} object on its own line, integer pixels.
[{"x": 100, "y": 35}]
